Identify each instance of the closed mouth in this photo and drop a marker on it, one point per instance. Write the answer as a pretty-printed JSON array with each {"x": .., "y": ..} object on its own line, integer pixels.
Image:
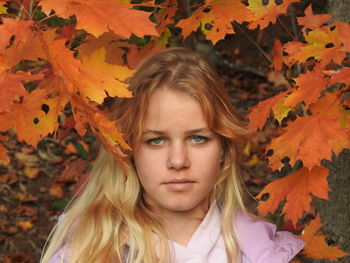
[{"x": 179, "y": 181}]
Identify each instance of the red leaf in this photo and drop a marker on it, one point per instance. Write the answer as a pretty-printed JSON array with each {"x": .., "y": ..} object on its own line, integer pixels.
[{"x": 296, "y": 188}]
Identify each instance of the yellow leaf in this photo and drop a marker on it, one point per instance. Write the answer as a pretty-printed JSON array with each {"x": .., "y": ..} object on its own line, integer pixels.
[
  {"x": 266, "y": 14},
  {"x": 25, "y": 224},
  {"x": 31, "y": 172},
  {"x": 3, "y": 10}
]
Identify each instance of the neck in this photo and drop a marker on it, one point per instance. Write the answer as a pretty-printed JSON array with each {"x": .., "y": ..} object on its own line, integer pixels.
[{"x": 181, "y": 225}]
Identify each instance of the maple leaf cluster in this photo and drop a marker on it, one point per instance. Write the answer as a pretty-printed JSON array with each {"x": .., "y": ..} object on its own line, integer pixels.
[
  {"x": 77, "y": 59},
  {"x": 320, "y": 98}
]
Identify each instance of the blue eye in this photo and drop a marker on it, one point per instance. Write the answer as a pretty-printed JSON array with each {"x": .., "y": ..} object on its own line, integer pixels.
[
  {"x": 155, "y": 141},
  {"x": 198, "y": 139}
]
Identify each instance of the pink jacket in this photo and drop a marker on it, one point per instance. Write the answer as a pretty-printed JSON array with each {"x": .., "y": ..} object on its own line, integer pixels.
[{"x": 258, "y": 240}]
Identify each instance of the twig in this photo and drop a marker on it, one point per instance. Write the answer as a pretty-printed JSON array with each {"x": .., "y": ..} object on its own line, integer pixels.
[{"x": 253, "y": 42}]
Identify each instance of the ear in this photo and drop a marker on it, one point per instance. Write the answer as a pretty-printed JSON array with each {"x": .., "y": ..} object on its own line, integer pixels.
[{"x": 222, "y": 156}]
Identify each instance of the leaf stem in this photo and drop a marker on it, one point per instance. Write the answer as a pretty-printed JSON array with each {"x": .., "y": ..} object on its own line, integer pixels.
[
  {"x": 21, "y": 9},
  {"x": 286, "y": 29},
  {"x": 253, "y": 42},
  {"x": 48, "y": 17}
]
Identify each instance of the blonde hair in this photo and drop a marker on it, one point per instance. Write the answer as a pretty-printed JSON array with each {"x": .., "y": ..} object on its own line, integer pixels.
[{"x": 110, "y": 221}]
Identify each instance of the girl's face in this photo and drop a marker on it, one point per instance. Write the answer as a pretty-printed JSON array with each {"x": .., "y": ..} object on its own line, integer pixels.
[{"x": 178, "y": 158}]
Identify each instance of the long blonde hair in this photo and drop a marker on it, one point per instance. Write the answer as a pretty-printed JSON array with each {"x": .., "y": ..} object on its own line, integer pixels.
[{"x": 110, "y": 221}]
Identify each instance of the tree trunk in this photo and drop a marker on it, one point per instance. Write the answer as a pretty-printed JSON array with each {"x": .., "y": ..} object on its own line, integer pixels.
[
  {"x": 335, "y": 212},
  {"x": 340, "y": 9}
]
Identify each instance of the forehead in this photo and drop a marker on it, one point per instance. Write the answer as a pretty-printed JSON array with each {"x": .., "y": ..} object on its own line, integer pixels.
[{"x": 171, "y": 109}]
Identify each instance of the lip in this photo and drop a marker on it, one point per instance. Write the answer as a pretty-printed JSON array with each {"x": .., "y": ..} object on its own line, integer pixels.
[
  {"x": 180, "y": 185},
  {"x": 179, "y": 181}
]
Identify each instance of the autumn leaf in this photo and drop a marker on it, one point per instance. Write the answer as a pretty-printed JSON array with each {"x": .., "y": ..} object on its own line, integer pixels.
[
  {"x": 14, "y": 27},
  {"x": 264, "y": 14},
  {"x": 56, "y": 190},
  {"x": 3, "y": 9},
  {"x": 32, "y": 119},
  {"x": 260, "y": 113},
  {"x": 110, "y": 137},
  {"x": 109, "y": 41},
  {"x": 26, "y": 44},
  {"x": 312, "y": 138},
  {"x": 277, "y": 58},
  {"x": 296, "y": 189},
  {"x": 105, "y": 129},
  {"x": 25, "y": 224},
  {"x": 91, "y": 77},
  {"x": 323, "y": 44},
  {"x": 31, "y": 172},
  {"x": 340, "y": 76},
  {"x": 11, "y": 87},
  {"x": 166, "y": 14},
  {"x": 101, "y": 16},
  {"x": 316, "y": 246},
  {"x": 72, "y": 171},
  {"x": 309, "y": 87},
  {"x": 312, "y": 21},
  {"x": 135, "y": 55},
  {"x": 4, "y": 159},
  {"x": 215, "y": 18},
  {"x": 110, "y": 78}
]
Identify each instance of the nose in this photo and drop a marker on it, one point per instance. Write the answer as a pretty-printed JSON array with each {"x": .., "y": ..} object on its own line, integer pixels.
[{"x": 178, "y": 157}]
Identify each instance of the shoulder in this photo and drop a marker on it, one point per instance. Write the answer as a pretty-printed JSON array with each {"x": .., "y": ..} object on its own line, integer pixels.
[
  {"x": 61, "y": 256},
  {"x": 261, "y": 243}
]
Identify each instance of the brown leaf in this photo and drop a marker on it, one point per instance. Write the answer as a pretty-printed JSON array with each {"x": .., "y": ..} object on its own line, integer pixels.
[
  {"x": 73, "y": 170},
  {"x": 29, "y": 160},
  {"x": 25, "y": 210},
  {"x": 56, "y": 190}
]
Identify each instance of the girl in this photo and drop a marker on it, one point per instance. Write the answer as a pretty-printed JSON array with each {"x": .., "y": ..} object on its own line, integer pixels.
[{"x": 180, "y": 199}]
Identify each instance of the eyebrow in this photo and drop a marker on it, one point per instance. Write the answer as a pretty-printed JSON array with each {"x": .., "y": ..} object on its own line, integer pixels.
[{"x": 160, "y": 132}]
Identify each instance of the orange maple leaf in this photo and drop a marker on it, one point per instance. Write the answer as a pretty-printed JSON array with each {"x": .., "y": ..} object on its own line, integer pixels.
[
  {"x": 260, "y": 113},
  {"x": 104, "y": 129},
  {"x": 98, "y": 17},
  {"x": 14, "y": 27},
  {"x": 277, "y": 59},
  {"x": 135, "y": 55},
  {"x": 26, "y": 44},
  {"x": 296, "y": 189},
  {"x": 32, "y": 119},
  {"x": 340, "y": 76},
  {"x": 312, "y": 138},
  {"x": 266, "y": 14},
  {"x": 166, "y": 14},
  {"x": 91, "y": 77},
  {"x": 312, "y": 21},
  {"x": 316, "y": 246},
  {"x": 11, "y": 87},
  {"x": 215, "y": 18},
  {"x": 310, "y": 85}
]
